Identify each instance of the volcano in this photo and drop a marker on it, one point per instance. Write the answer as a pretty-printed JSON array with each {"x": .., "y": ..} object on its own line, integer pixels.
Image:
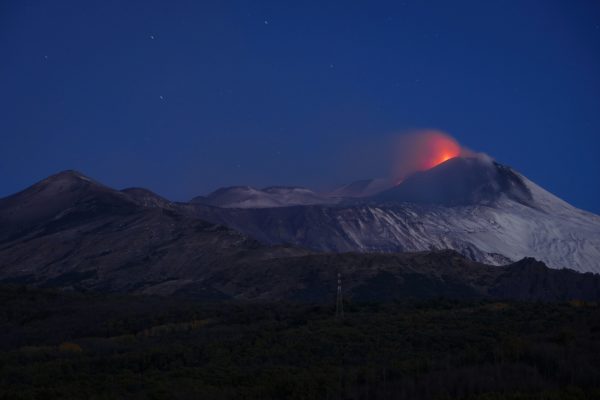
[
  {"x": 484, "y": 210},
  {"x": 461, "y": 181},
  {"x": 72, "y": 232}
]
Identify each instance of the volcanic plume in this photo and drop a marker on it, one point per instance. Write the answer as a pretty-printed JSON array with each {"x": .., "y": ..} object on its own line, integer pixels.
[{"x": 422, "y": 150}]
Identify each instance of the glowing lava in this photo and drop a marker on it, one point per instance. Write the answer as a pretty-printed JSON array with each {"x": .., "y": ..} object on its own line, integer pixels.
[{"x": 423, "y": 150}]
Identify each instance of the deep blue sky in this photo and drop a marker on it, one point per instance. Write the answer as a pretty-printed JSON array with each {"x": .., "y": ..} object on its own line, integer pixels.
[{"x": 186, "y": 96}]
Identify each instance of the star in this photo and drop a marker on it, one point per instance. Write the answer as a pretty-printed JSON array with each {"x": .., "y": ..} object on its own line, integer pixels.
[
  {"x": 151, "y": 37},
  {"x": 266, "y": 22},
  {"x": 161, "y": 97}
]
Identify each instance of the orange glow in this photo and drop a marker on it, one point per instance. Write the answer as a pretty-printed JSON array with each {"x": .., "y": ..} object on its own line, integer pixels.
[
  {"x": 437, "y": 148},
  {"x": 423, "y": 150},
  {"x": 443, "y": 158}
]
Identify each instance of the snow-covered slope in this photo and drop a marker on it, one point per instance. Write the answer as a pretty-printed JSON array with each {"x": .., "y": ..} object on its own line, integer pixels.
[
  {"x": 362, "y": 188},
  {"x": 503, "y": 220},
  {"x": 290, "y": 195},
  {"x": 274, "y": 196}
]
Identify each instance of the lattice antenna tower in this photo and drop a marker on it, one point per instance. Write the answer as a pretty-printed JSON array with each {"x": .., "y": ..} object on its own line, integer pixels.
[{"x": 339, "y": 303}]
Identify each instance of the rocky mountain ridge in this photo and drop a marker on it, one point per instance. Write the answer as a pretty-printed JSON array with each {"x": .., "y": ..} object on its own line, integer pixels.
[{"x": 73, "y": 233}]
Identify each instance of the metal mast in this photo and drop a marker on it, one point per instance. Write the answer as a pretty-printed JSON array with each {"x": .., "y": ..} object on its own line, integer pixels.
[{"x": 339, "y": 304}]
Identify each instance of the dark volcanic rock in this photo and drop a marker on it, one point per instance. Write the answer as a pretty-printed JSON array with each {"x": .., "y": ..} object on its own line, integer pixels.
[
  {"x": 71, "y": 232},
  {"x": 530, "y": 279},
  {"x": 460, "y": 181},
  {"x": 148, "y": 198}
]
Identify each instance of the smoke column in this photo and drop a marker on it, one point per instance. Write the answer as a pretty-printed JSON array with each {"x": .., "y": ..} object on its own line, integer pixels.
[{"x": 422, "y": 150}]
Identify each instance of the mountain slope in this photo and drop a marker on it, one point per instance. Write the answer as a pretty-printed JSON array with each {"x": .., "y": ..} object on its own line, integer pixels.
[
  {"x": 274, "y": 196},
  {"x": 362, "y": 188},
  {"x": 460, "y": 181},
  {"x": 60, "y": 196},
  {"x": 484, "y": 210},
  {"x": 71, "y": 232},
  {"x": 385, "y": 277}
]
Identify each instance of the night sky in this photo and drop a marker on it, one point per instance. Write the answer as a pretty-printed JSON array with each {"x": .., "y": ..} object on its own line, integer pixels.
[{"x": 183, "y": 97}]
